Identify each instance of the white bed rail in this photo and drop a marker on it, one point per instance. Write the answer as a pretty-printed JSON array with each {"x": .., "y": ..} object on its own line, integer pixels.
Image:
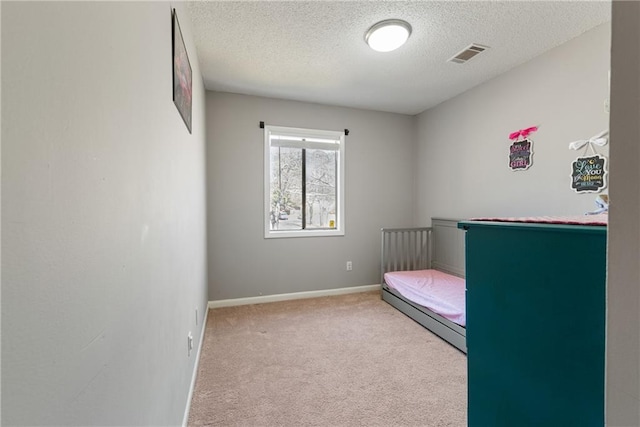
[{"x": 405, "y": 249}]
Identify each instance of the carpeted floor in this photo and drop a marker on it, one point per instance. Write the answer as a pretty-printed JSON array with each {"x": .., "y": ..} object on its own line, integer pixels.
[{"x": 350, "y": 360}]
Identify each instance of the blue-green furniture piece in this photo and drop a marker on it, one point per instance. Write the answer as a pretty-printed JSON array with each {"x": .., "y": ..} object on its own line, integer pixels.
[{"x": 535, "y": 324}]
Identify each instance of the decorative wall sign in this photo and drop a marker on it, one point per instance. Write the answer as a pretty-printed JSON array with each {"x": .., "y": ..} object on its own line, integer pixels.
[
  {"x": 589, "y": 174},
  {"x": 181, "y": 73},
  {"x": 521, "y": 150},
  {"x": 520, "y": 154}
]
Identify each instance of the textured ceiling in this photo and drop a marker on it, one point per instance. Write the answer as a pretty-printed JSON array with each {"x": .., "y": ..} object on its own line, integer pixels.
[{"x": 314, "y": 51}]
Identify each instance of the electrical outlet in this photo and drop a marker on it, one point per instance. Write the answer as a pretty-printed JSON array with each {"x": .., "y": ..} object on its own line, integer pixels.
[
  {"x": 349, "y": 266},
  {"x": 189, "y": 344}
]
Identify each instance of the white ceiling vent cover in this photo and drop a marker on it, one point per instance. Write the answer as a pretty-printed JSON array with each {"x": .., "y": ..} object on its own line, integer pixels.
[{"x": 468, "y": 53}]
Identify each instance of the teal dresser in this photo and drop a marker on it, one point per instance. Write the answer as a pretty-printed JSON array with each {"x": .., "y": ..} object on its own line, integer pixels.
[{"x": 535, "y": 324}]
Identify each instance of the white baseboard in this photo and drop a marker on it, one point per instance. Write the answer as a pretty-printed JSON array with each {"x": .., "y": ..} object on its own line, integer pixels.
[
  {"x": 291, "y": 296},
  {"x": 185, "y": 419}
]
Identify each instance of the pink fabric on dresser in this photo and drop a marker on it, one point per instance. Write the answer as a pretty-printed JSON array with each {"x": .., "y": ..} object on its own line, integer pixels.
[
  {"x": 600, "y": 219},
  {"x": 440, "y": 292}
]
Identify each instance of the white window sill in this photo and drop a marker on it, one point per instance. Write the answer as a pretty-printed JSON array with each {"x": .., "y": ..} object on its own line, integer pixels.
[{"x": 302, "y": 233}]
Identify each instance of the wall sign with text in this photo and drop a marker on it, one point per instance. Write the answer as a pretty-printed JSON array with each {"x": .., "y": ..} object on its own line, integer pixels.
[
  {"x": 521, "y": 150},
  {"x": 521, "y": 155},
  {"x": 589, "y": 174}
]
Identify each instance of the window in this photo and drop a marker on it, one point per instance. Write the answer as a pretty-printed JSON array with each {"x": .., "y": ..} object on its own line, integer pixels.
[{"x": 304, "y": 182}]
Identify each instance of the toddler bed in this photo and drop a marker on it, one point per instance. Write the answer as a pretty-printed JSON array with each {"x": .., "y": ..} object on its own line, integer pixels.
[{"x": 422, "y": 275}]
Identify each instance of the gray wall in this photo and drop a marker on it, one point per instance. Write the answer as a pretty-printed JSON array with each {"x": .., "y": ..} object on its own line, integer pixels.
[
  {"x": 379, "y": 193},
  {"x": 463, "y": 145},
  {"x": 623, "y": 314},
  {"x": 103, "y": 216}
]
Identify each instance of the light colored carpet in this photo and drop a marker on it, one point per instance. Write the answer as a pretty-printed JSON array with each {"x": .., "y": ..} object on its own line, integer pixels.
[{"x": 350, "y": 360}]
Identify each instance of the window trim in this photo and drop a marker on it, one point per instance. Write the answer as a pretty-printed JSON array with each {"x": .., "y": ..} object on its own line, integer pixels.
[{"x": 340, "y": 184}]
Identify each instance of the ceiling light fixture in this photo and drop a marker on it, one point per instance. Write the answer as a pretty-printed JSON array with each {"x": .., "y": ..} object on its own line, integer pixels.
[{"x": 388, "y": 35}]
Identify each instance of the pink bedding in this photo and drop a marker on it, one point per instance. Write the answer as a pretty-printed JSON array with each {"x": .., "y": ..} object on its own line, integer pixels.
[{"x": 440, "y": 292}]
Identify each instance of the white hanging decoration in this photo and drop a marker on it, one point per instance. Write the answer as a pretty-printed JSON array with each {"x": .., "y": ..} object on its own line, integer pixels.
[
  {"x": 599, "y": 140},
  {"x": 602, "y": 202},
  {"x": 589, "y": 173}
]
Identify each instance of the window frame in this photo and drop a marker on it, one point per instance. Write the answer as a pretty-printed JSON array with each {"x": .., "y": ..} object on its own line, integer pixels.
[{"x": 340, "y": 174}]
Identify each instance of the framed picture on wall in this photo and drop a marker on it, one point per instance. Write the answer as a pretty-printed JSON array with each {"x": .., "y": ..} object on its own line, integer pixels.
[{"x": 181, "y": 73}]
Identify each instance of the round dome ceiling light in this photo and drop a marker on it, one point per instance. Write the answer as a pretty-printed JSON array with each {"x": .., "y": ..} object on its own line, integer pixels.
[{"x": 388, "y": 35}]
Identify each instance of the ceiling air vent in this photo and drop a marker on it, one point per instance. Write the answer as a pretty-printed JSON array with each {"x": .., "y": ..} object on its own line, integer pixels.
[{"x": 468, "y": 53}]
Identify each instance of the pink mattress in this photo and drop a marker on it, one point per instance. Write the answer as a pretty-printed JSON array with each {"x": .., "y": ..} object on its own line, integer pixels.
[{"x": 440, "y": 292}]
